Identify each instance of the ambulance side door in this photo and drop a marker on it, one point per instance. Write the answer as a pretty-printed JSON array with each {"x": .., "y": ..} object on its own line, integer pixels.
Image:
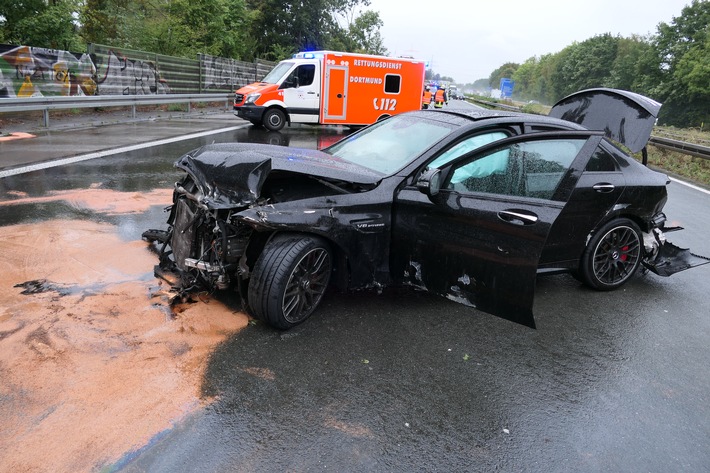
[
  {"x": 301, "y": 91},
  {"x": 335, "y": 92}
]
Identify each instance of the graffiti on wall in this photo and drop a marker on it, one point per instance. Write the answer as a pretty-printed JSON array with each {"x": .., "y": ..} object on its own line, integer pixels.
[
  {"x": 120, "y": 75},
  {"x": 26, "y": 71},
  {"x": 226, "y": 74}
]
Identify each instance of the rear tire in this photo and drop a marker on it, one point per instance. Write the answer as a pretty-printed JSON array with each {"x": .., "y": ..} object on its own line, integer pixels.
[
  {"x": 612, "y": 256},
  {"x": 274, "y": 119},
  {"x": 289, "y": 280}
]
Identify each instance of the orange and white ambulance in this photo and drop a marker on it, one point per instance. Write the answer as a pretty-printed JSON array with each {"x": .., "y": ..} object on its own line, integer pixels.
[{"x": 327, "y": 87}]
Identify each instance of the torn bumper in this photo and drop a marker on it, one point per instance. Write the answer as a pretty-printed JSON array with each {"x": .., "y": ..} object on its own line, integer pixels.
[{"x": 671, "y": 259}]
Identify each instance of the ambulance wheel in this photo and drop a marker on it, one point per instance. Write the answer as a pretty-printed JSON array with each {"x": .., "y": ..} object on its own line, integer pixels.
[{"x": 274, "y": 119}]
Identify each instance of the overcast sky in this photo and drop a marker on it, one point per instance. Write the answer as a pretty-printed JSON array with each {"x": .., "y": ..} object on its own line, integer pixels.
[{"x": 476, "y": 37}]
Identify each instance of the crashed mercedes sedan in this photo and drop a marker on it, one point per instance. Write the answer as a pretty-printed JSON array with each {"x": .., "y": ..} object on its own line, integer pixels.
[{"x": 468, "y": 205}]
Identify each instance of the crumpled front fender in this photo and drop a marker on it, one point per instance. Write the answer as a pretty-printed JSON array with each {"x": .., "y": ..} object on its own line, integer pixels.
[{"x": 270, "y": 217}]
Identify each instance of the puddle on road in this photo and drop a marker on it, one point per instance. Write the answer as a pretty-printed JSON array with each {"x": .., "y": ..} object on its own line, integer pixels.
[
  {"x": 106, "y": 201},
  {"x": 91, "y": 361}
]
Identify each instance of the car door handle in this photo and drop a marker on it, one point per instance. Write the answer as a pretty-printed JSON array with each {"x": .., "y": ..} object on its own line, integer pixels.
[
  {"x": 517, "y": 217},
  {"x": 604, "y": 187},
  {"x": 311, "y": 93}
]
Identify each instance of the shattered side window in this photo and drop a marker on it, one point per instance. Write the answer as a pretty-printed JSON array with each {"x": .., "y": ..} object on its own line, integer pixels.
[{"x": 527, "y": 169}]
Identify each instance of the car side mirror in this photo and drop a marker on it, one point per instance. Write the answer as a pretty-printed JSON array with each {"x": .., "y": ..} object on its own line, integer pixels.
[{"x": 429, "y": 182}]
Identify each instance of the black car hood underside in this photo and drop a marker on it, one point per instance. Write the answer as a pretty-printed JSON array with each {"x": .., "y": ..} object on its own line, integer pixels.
[
  {"x": 232, "y": 174},
  {"x": 624, "y": 116}
]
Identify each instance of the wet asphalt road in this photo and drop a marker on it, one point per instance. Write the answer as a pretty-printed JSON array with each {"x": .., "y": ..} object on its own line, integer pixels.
[{"x": 405, "y": 381}]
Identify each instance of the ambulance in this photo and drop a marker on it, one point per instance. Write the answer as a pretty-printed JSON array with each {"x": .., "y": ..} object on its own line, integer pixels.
[{"x": 332, "y": 88}]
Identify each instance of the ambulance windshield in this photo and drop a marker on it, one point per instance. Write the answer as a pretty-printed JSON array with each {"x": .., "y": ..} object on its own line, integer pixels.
[
  {"x": 391, "y": 144},
  {"x": 278, "y": 72}
]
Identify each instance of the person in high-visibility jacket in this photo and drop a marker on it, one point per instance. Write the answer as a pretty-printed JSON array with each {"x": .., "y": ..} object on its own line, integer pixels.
[
  {"x": 426, "y": 97},
  {"x": 440, "y": 98}
]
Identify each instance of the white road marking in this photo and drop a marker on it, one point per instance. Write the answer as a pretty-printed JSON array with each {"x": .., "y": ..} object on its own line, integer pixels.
[
  {"x": 705, "y": 191},
  {"x": 109, "y": 152}
]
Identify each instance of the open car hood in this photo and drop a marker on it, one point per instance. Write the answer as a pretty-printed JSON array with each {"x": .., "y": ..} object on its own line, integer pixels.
[
  {"x": 232, "y": 174},
  {"x": 625, "y": 117}
]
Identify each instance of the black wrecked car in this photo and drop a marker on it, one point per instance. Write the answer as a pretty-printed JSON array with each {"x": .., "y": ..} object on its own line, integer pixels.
[{"x": 468, "y": 205}]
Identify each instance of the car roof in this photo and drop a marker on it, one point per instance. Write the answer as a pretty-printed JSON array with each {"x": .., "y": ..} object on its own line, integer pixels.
[
  {"x": 625, "y": 117},
  {"x": 485, "y": 117}
]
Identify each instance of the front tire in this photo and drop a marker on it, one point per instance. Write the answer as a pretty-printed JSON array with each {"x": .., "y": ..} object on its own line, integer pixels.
[
  {"x": 274, "y": 119},
  {"x": 612, "y": 256},
  {"x": 289, "y": 280}
]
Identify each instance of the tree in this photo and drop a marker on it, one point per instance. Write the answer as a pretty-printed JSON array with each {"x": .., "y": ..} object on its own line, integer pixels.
[
  {"x": 629, "y": 71},
  {"x": 364, "y": 34},
  {"x": 481, "y": 85},
  {"x": 525, "y": 78},
  {"x": 98, "y": 22},
  {"x": 507, "y": 70},
  {"x": 41, "y": 24},
  {"x": 214, "y": 27},
  {"x": 683, "y": 50},
  {"x": 587, "y": 64},
  {"x": 355, "y": 30},
  {"x": 172, "y": 27},
  {"x": 280, "y": 28}
]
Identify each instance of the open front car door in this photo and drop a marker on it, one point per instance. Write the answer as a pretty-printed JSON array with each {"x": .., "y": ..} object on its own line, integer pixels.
[{"x": 474, "y": 229}]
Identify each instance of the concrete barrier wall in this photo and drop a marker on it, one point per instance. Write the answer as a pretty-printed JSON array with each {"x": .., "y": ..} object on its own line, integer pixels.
[{"x": 27, "y": 71}]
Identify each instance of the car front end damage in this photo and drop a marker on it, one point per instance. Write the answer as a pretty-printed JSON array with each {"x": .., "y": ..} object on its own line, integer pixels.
[
  {"x": 212, "y": 248},
  {"x": 238, "y": 205},
  {"x": 279, "y": 225},
  {"x": 207, "y": 245}
]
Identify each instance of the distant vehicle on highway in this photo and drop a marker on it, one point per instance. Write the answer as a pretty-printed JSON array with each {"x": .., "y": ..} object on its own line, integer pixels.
[{"x": 470, "y": 205}]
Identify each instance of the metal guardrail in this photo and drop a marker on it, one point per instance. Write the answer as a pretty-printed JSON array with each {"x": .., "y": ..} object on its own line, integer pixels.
[
  {"x": 684, "y": 147},
  {"x": 512, "y": 108},
  {"x": 46, "y": 104}
]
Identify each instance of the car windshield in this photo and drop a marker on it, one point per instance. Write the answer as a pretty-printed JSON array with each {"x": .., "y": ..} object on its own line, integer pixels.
[
  {"x": 391, "y": 144},
  {"x": 278, "y": 72}
]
